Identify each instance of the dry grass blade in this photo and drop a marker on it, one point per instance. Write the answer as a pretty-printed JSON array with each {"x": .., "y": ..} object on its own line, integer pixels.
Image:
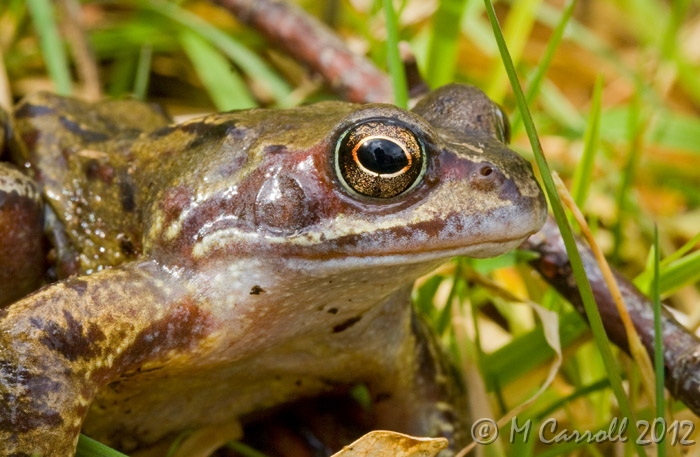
[{"x": 637, "y": 350}]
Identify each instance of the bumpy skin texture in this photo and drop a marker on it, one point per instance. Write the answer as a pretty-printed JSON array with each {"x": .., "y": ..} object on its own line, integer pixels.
[{"x": 221, "y": 267}]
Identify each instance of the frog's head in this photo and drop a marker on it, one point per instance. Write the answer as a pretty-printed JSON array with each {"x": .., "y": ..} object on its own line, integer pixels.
[{"x": 342, "y": 181}]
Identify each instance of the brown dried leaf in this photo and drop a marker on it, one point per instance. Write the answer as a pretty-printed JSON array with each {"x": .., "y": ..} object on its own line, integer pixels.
[{"x": 382, "y": 443}]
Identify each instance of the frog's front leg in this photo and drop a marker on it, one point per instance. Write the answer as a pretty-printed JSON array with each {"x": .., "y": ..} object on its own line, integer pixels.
[
  {"x": 418, "y": 391},
  {"x": 59, "y": 346}
]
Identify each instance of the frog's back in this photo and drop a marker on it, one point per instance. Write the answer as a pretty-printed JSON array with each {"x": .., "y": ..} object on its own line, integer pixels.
[
  {"x": 116, "y": 173},
  {"x": 79, "y": 154}
]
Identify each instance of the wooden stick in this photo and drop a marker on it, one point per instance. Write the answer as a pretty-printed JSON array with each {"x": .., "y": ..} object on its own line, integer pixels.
[
  {"x": 308, "y": 40},
  {"x": 681, "y": 347}
]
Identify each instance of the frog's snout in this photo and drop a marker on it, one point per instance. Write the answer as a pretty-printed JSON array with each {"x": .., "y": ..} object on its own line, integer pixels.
[{"x": 497, "y": 200}]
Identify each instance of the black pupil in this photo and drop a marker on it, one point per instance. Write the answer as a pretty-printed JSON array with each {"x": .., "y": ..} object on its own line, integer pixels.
[{"x": 382, "y": 156}]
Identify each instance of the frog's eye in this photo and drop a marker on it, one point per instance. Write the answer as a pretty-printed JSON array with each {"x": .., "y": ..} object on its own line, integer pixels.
[
  {"x": 379, "y": 159},
  {"x": 503, "y": 125}
]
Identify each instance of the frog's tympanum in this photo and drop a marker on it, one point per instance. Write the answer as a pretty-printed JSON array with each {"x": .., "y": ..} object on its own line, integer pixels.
[{"x": 202, "y": 272}]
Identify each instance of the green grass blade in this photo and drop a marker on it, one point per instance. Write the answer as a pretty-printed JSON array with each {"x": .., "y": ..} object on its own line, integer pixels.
[
  {"x": 683, "y": 250},
  {"x": 444, "y": 37},
  {"x": 679, "y": 10},
  {"x": 244, "y": 450},
  {"x": 676, "y": 270},
  {"x": 584, "y": 171},
  {"x": 249, "y": 63},
  {"x": 564, "y": 449},
  {"x": 553, "y": 43},
  {"x": 396, "y": 70},
  {"x": 52, "y": 46},
  {"x": 658, "y": 340},
  {"x": 669, "y": 129},
  {"x": 521, "y": 19},
  {"x": 578, "y": 393},
  {"x": 87, "y": 447},
  {"x": 444, "y": 319},
  {"x": 680, "y": 273},
  {"x": 567, "y": 235},
  {"x": 226, "y": 88},
  {"x": 587, "y": 39},
  {"x": 143, "y": 71},
  {"x": 120, "y": 75},
  {"x": 528, "y": 351},
  {"x": 424, "y": 294},
  {"x": 636, "y": 124},
  {"x": 477, "y": 30},
  {"x": 559, "y": 109},
  {"x": 688, "y": 77},
  {"x": 121, "y": 38}
]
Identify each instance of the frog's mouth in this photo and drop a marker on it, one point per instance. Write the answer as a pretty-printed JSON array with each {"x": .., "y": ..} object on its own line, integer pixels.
[
  {"x": 487, "y": 235},
  {"x": 428, "y": 253},
  {"x": 401, "y": 267}
]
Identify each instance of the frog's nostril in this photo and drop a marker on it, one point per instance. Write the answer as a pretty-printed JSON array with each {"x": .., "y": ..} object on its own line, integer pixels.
[{"x": 486, "y": 177}]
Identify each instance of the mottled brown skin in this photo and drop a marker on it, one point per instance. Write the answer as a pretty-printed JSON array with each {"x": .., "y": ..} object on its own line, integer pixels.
[
  {"x": 221, "y": 267},
  {"x": 21, "y": 227}
]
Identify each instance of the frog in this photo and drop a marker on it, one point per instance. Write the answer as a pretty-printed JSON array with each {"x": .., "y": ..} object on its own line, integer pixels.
[{"x": 205, "y": 272}]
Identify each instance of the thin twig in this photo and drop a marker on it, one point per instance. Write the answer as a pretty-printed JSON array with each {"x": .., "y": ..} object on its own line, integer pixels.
[
  {"x": 681, "y": 347},
  {"x": 311, "y": 42}
]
